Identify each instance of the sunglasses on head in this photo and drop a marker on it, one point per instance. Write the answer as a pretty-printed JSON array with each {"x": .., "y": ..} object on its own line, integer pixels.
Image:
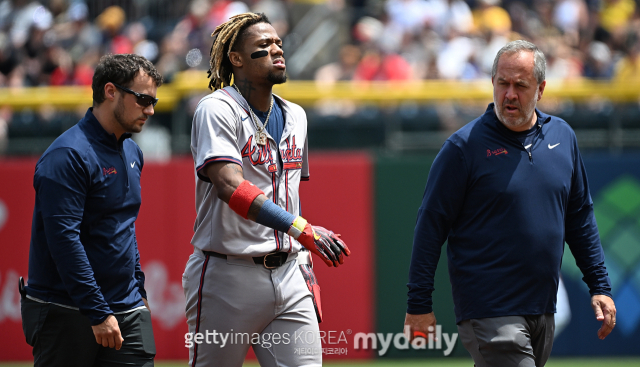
[{"x": 143, "y": 100}]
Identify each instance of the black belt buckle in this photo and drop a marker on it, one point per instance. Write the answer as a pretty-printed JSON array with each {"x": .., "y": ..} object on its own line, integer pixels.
[{"x": 274, "y": 260}]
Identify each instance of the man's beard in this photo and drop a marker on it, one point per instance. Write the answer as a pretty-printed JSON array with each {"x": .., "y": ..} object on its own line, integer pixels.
[
  {"x": 118, "y": 113},
  {"x": 525, "y": 117},
  {"x": 278, "y": 78}
]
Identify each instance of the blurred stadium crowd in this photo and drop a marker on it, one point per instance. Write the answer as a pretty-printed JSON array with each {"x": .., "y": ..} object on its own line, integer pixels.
[
  {"x": 58, "y": 42},
  {"x": 456, "y": 39}
]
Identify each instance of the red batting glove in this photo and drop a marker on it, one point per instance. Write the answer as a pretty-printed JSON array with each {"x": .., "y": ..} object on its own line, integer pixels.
[{"x": 324, "y": 243}]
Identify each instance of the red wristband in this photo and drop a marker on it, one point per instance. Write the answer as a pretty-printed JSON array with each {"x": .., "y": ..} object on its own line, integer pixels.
[{"x": 242, "y": 198}]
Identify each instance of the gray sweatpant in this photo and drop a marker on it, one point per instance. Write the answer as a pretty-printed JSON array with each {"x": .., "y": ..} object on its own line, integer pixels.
[
  {"x": 234, "y": 304},
  {"x": 508, "y": 341}
]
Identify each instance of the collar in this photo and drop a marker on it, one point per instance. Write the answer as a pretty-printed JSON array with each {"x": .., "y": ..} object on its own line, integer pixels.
[
  {"x": 97, "y": 132},
  {"x": 287, "y": 112},
  {"x": 233, "y": 93},
  {"x": 490, "y": 113}
]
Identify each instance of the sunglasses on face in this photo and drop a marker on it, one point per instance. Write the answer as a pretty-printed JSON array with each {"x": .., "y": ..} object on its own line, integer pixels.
[{"x": 143, "y": 100}]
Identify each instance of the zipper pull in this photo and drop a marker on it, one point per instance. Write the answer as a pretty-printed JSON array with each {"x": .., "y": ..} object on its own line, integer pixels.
[{"x": 530, "y": 158}]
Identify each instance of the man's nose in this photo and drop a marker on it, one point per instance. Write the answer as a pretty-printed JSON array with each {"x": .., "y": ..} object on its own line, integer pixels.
[
  {"x": 278, "y": 50},
  {"x": 510, "y": 93},
  {"x": 149, "y": 111}
]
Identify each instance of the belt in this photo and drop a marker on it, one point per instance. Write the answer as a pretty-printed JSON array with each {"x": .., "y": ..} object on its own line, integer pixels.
[{"x": 270, "y": 261}]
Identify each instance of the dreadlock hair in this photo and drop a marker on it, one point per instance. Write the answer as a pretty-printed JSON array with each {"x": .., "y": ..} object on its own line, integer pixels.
[{"x": 224, "y": 40}]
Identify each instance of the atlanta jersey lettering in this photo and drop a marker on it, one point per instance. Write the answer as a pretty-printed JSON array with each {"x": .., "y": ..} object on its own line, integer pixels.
[{"x": 223, "y": 131}]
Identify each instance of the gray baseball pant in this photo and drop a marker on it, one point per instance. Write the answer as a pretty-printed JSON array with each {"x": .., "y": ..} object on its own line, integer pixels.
[
  {"x": 508, "y": 341},
  {"x": 233, "y": 304}
]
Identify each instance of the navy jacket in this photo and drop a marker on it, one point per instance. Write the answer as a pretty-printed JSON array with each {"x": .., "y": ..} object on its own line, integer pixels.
[
  {"x": 83, "y": 250},
  {"x": 506, "y": 212}
]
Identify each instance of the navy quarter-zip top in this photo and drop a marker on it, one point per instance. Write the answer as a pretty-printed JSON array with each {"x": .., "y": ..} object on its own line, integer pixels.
[
  {"x": 506, "y": 203},
  {"x": 83, "y": 251}
]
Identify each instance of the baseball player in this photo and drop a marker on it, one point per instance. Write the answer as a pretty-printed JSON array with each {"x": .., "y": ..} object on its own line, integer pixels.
[{"x": 250, "y": 280}]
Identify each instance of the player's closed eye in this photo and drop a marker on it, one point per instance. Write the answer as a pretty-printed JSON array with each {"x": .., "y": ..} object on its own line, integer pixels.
[{"x": 144, "y": 100}]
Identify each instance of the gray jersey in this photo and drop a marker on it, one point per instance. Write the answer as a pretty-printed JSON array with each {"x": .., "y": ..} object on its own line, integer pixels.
[{"x": 223, "y": 130}]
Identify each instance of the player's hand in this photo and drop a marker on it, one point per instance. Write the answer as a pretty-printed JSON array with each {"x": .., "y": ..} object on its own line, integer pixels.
[
  {"x": 605, "y": 311},
  {"x": 108, "y": 333},
  {"x": 419, "y": 325},
  {"x": 325, "y": 244},
  {"x": 146, "y": 304}
]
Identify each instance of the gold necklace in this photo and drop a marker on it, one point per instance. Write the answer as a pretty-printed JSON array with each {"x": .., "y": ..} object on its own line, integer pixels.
[{"x": 260, "y": 135}]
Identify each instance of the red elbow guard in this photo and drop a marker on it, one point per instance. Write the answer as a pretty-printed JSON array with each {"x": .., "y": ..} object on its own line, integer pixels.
[{"x": 242, "y": 198}]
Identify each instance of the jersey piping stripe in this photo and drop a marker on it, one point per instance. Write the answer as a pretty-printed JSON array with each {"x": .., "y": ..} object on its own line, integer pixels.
[
  {"x": 195, "y": 347},
  {"x": 214, "y": 159},
  {"x": 218, "y": 159},
  {"x": 247, "y": 112},
  {"x": 286, "y": 188},
  {"x": 275, "y": 200}
]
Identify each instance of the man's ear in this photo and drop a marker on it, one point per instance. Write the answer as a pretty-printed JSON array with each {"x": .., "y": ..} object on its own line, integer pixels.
[
  {"x": 110, "y": 91},
  {"x": 235, "y": 58},
  {"x": 541, "y": 89}
]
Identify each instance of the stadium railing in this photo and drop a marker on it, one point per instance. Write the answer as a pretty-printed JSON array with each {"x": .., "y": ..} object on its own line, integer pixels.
[
  {"x": 309, "y": 92},
  {"x": 389, "y": 114}
]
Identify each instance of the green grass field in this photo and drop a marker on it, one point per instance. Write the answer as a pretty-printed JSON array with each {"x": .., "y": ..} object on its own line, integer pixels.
[{"x": 444, "y": 362}]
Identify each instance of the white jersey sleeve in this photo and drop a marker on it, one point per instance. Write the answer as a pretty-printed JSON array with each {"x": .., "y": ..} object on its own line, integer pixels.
[{"x": 214, "y": 134}]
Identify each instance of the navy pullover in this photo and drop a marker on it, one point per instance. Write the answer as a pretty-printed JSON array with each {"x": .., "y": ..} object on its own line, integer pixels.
[
  {"x": 83, "y": 250},
  {"x": 506, "y": 212}
]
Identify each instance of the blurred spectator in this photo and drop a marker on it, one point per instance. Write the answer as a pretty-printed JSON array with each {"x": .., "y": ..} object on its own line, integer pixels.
[
  {"x": 571, "y": 17},
  {"x": 454, "y": 59},
  {"x": 628, "y": 68},
  {"x": 8, "y": 59},
  {"x": 172, "y": 48},
  {"x": 344, "y": 69},
  {"x": 111, "y": 21},
  {"x": 83, "y": 72},
  {"x": 407, "y": 15},
  {"x": 598, "y": 64},
  {"x": 489, "y": 17},
  {"x": 60, "y": 64},
  {"x": 277, "y": 13},
  {"x": 488, "y": 53},
  {"x": 188, "y": 45},
  {"x": 524, "y": 20},
  {"x": 377, "y": 65},
  {"x": 615, "y": 14},
  {"x": 137, "y": 34},
  {"x": 76, "y": 33},
  {"x": 451, "y": 16},
  {"x": 562, "y": 62},
  {"x": 5, "y": 119},
  {"x": 193, "y": 28}
]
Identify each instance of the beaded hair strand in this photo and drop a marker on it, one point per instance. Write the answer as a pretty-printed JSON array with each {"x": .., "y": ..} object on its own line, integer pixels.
[{"x": 224, "y": 38}]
